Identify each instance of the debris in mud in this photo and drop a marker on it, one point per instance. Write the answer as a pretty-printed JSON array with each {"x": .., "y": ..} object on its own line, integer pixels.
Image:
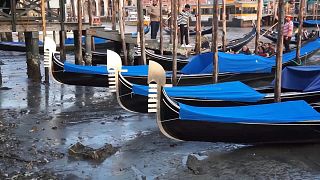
[
  {"x": 34, "y": 129},
  {"x": 118, "y": 117},
  {"x": 31, "y": 175},
  {"x": 138, "y": 174},
  {"x": 79, "y": 150},
  {"x": 5, "y": 88},
  {"x": 197, "y": 163}
]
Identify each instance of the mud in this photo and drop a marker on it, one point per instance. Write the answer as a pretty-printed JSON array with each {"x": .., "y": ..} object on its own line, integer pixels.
[{"x": 39, "y": 123}]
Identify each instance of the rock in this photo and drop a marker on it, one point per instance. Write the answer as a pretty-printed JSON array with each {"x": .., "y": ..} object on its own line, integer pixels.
[
  {"x": 197, "y": 164},
  {"x": 81, "y": 151}
]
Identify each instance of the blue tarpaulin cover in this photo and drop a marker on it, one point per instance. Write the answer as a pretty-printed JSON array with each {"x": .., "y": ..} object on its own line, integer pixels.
[
  {"x": 240, "y": 63},
  {"x": 302, "y": 78},
  {"x": 18, "y": 43},
  {"x": 284, "y": 112},
  {"x": 132, "y": 70},
  {"x": 236, "y": 63},
  {"x": 141, "y": 70},
  {"x": 308, "y": 22},
  {"x": 68, "y": 67},
  {"x": 96, "y": 40},
  {"x": 229, "y": 91}
]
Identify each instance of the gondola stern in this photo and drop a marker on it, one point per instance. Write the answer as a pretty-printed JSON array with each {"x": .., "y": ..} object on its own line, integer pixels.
[
  {"x": 114, "y": 65},
  {"x": 49, "y": 48},
  {"x": 160, "y": 105}
]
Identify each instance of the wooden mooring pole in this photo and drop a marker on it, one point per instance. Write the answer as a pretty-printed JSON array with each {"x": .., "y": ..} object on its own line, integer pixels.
[
  {"x": 277, "y": 88},
  {"x": 301, "y": 12},
  {"x": 78, "y": 36},
  {"x": 62, "y": 33},
  {"x": 113, "y": 17},
  {"x": 123, "y": 40},
  {"x": 175, "y": 44},
  {"x": 215, "y": 40},
  {"x": 141, "y": 32},
  {"x": 198, "y": 29},
  {"x": 33, "y": 57},
  {"x": 224, "y": 26},
  {"x": 44, "y": 34},
  {"x": 89, "y": 39},
  {"x": 171, "y": 21},
  {"x": 161, "y": 28},
  {"x": 258, "y": 26}
]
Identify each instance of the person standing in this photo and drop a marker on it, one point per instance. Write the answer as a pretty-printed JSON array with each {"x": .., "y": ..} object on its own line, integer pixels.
[
  {"x": 154, "y": 12},
  {"x": 183, "y": 20},
  {"x": 287, "y": 32}
]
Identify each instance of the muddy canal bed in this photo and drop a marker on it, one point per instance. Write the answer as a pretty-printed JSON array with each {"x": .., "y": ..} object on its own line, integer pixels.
[{"x": 39, "y": 123}]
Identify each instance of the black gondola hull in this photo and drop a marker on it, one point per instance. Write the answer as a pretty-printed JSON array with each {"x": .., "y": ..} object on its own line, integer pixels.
[{"x": 244, "y": 133}]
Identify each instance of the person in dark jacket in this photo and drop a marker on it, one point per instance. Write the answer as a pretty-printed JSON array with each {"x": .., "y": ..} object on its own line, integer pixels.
[{"x": 245, "y": 50}]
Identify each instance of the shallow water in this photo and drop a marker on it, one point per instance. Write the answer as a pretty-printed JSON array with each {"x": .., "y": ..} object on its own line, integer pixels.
[{"x": 50, "y": 118}]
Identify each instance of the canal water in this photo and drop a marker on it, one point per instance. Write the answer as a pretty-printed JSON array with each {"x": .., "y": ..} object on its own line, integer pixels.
[{"x": 38, "y": 123}]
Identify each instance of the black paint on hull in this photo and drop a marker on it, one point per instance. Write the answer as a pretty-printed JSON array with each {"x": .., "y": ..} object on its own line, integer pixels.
[{"x": 190, "y": 130}]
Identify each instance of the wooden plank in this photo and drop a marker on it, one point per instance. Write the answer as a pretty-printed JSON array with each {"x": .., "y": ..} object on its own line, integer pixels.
[{"x": 112, "y": 35}]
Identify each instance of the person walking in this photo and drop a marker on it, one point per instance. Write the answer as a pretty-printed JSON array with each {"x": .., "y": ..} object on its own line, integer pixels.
[
  {"x": 287, "y": 32},
  {"x": 183, "y": 20},
  {"x": 154, "y": 12}
]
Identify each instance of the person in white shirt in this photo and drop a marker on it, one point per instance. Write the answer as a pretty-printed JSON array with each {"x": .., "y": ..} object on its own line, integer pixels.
[{"x": 183, "y": 24}]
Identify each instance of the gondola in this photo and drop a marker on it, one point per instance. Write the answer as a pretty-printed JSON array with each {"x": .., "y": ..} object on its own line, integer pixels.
[
  {"x": 134, "y": 98},
  {"x": 199, "y": 71},
  {"x": 234, "y": 45},
  {"x": 273, "y": 36},
  {"x": 69, "y": 45},
  {"x": 166, "y": 60},
  {"x": 292, "y": 121},
  {"x": 308, "y": 23},
  {"x": 192, "y": 32}
]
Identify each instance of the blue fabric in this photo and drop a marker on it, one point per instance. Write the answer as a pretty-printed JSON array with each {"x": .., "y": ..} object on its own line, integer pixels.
[
  {"x": 302, "y": 78},
  {"x": 132, "y": 70},
  {"x": 141, "y": 70},
  {"x": 284, "y": 112},
  {"x": 229, "y": 91},
  {"x": 240, "y": 63},
  {"x": 308, "y": 22},
  {"x": 18, "y": 43},
  {"x": 68, "y": 67},
  {"x": 96, "y": 40},
  {"x": 311, "y": 22},
  {"x": 146, "y": 30}
]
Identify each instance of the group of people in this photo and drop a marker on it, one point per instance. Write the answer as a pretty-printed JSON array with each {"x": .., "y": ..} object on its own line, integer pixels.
[
  {"x": 183, "y": 18},
  {"x": 264, "y": 49},
  {"x": 306, "y": 35}
]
